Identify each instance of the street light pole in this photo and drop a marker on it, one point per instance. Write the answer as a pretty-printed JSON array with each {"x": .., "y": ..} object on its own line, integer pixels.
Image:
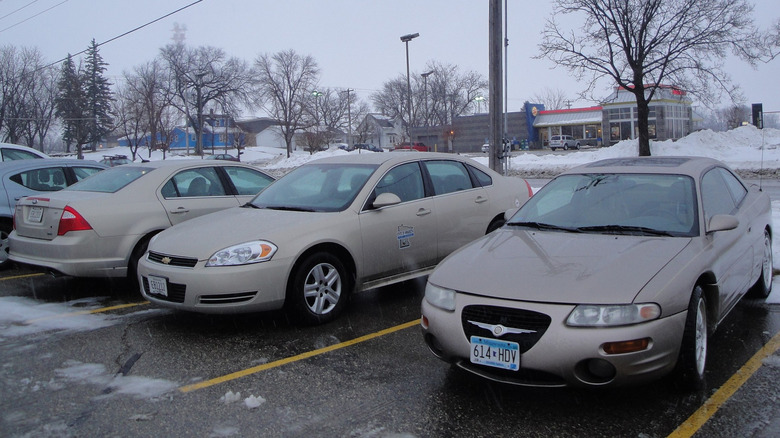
[
  {"x": 425, "y": 98},
  {"x": 405, "y": 39}
]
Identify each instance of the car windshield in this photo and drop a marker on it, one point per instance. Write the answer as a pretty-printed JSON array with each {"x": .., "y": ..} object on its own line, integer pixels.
[
  {"x": 315, "y": 187},
  {"x": 637, "y": 204},
  {"x": 110, "y": 180}
]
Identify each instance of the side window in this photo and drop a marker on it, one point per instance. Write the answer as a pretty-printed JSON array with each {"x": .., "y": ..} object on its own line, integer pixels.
[
  {"x": 42, "y": 180},
  {"x": 484, "y": 179},
  {"x": 194, "y": 183},
  {"x": 247, "y": 181},
  {"x": 715, "y": 195},
  {"x": 448, "y": 176},
  {"x": 737, "y": 190},
  {"x": 83, "y": 172},
  {"x": 405, "y": 181},
  {"x": 15, "y": 154}
]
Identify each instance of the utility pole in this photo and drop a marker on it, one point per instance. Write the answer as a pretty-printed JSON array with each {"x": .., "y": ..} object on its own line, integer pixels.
[{"x": 494, "y": 76}]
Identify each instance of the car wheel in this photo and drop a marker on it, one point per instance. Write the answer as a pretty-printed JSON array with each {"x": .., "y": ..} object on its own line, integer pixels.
[
  {"x": 693, "y": 351},
  {"x": 763, "y": 286},
  {"x": 565, "y": 147},
  {"x": 577, "y": 146},
  {"x": 552, "y": 149},
  {"x": 319, "y": 289},
  {"x": 132, "y": 265},
  {"x": 4, "y": 262}
]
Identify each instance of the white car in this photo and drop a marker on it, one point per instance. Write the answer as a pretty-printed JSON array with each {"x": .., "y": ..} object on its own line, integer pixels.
[
  {"x": 11, "y": 152},
  {"x": 100, "y": 227},
  {"x": 352, "y": 222},
  {"x": 564, "y": 142}
]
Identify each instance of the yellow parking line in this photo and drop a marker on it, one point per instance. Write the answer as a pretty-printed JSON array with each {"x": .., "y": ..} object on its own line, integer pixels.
[
  {"x": 16, "y": 277},
  {"x": 87, "y": 312},
  {"x": 708, "y": 409},
  {"x": 306, "y": 355}
]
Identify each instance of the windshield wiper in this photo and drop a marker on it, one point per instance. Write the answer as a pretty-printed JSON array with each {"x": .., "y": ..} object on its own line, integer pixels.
[
  {"x": 626, "y": 229},
  {"x": 250, "y": 205},
  {"x": 544, "y": 226},
  {"x": 288, "y": 208}
]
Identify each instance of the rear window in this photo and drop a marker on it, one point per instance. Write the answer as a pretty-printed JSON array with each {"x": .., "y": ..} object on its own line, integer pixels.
[{"x": 110, "y": 180}]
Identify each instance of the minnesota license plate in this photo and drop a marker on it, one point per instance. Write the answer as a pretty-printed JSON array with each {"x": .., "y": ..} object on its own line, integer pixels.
[
  {"x": 158, "y": 285},
  {"x": 495, "y": 353},
  {"x": 35, "y": 214}
]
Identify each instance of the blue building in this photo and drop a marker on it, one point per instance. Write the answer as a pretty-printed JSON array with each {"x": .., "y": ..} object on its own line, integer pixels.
[{"x": 219, "y": 131}]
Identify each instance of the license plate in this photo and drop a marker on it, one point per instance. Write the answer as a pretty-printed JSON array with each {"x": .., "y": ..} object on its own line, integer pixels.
[
  {"x": 495, "y": 353},
  {"x": 158, "y": 285},
  {"x": 35, "y": 214}
]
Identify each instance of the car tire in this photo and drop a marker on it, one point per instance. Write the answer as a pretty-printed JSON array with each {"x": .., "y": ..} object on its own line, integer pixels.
[
  {"x": 318, "y": 289},
  {"x": 763, "y": 286},
  {"x": 692, "y": 361},
  {"x": 135, "y": 256},
  {"x": 552, "y": 149},
  {"x": 4, "y": 262},
  {"x": 577, "y": 146},
  {"x": 565, "y": 147}
]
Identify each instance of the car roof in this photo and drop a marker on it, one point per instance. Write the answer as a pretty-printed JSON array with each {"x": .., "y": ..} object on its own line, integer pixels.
[
  {"x": 18, "y": 165},
  {"x": 23, "y": 148},
  {"x": 683, "y": 165},
  {"x": 378, "y": 159},
  {"x": 185, "y": 163}
]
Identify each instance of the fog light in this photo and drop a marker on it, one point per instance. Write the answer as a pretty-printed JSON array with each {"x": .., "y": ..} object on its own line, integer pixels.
[{"x": 626, "y": 346}]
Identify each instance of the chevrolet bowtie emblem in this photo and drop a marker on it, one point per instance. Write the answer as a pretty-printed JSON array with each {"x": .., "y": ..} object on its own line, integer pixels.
[
  {"x": 499, "y": 330},
  {"x": 166, "y": 260}
]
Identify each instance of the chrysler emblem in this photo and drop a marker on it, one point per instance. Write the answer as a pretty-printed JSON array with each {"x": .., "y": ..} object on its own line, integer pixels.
[
  {"x": 499, "y": 330},
  {"x": 166, "y": 260}
]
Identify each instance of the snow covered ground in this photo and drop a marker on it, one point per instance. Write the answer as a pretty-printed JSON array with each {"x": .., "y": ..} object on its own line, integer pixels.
[{"x": 744, "y": 149}]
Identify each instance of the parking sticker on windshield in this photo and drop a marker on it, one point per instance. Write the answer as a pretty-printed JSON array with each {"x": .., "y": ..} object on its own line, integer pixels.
[{"x": 405, "y": 235}]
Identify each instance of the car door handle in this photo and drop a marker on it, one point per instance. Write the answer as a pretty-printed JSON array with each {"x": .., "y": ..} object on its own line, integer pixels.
[
  {"x": 180, "y": 210},
  {"x": 480, "y": 199},
  {"x": 423, "y": 212}
]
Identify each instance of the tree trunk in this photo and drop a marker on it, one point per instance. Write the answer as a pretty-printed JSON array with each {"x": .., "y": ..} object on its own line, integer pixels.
[{"x": 643, "y": 112}]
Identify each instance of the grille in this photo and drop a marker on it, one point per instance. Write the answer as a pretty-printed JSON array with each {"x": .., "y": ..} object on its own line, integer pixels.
[
  {"x": 227, "y": 298},
  {"x": 514, "y": 318},
  {"x": 176, "y": 292},
  {"x": 185, "y": 262}
]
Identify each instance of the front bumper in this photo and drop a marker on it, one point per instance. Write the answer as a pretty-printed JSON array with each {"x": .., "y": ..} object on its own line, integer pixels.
[{"x": 562, "y": 355}]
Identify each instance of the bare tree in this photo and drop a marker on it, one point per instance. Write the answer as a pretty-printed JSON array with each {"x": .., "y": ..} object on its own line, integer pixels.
[
  {"x": 552, "y": 98},
  {"x": 129, "y": 120},
  {"x": 436, "y": 99},
  {"x": 285, "y": 81},
  {"x": 149, "y": 85},
  {"x": 197, "y": 77},
  {"x": 641, "y": 45}
]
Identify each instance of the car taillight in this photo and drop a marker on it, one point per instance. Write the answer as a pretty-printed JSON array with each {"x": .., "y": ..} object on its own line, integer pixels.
[{"x": 71, "y": 220}]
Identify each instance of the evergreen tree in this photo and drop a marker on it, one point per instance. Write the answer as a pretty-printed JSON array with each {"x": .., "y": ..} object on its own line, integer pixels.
[
  {"x": 70, "y": 106},
  {"x": 97, "y": 92}
]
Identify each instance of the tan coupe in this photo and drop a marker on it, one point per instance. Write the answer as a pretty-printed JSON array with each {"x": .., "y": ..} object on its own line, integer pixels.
[{"x": 614, "y": 272}]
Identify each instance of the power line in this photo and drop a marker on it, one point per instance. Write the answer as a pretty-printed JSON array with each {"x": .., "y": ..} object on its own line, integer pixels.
[
  {"x": 29, "y": 18},
  {"x": 18, "y": 9}
]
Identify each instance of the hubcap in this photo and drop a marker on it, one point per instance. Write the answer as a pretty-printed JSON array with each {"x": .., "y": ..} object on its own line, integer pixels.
[
  {"x": 767, "y": 267},
  {"x": 322, "y": 288},
  {"x": 3, "y": 247}
]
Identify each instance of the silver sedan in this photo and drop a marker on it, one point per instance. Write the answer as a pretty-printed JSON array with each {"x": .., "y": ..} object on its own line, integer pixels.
[
  {"x": 615, "y": 272},
  {"x": 100, "y": 226},
  {"x": 325, "y": 229}
]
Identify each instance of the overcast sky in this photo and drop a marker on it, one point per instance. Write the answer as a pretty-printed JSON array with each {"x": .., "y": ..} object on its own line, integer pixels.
[{"x": 355, "y": 42}]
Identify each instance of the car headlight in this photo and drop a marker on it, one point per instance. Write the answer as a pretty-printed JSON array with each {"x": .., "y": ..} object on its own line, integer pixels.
[
  {"x": 243, "y": 254},
  {"x": 440, "y": 297},
  {"x": 589, "y": 315}
]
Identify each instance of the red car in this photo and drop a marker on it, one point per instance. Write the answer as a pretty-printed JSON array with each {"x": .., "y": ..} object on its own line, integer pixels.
[{"x": 416, "y": 145}]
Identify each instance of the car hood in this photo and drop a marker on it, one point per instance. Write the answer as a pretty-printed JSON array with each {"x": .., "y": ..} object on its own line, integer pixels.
[
  {"x": 557, "y": 267},
  {"x": 202, "y": 236}
]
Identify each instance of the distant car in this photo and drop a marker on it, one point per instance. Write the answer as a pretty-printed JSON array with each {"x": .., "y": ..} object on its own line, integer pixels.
[
  {"x": 22, "y": 178},
  {"x": 115, "y": 160},
  {"x": 328, "y": 228},
  {"x": 101, "y": 226},
  {"x": 367, "y": 147},
  {"x": 613, "y": 273},
  {"x": 416, "y": 145},
  {"x": 564, "y": 142},
  {"x": 486, "y": 147},
  {"x": 11, "y": 152},
  {"x": 225, "y": 157}
]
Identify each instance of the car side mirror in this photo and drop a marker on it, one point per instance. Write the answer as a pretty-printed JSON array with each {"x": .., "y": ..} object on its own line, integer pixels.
[
  {"x": 386, "y": 199},
  {"x": 509, "y": 213},
  {"x": 722, "y": 222}
]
